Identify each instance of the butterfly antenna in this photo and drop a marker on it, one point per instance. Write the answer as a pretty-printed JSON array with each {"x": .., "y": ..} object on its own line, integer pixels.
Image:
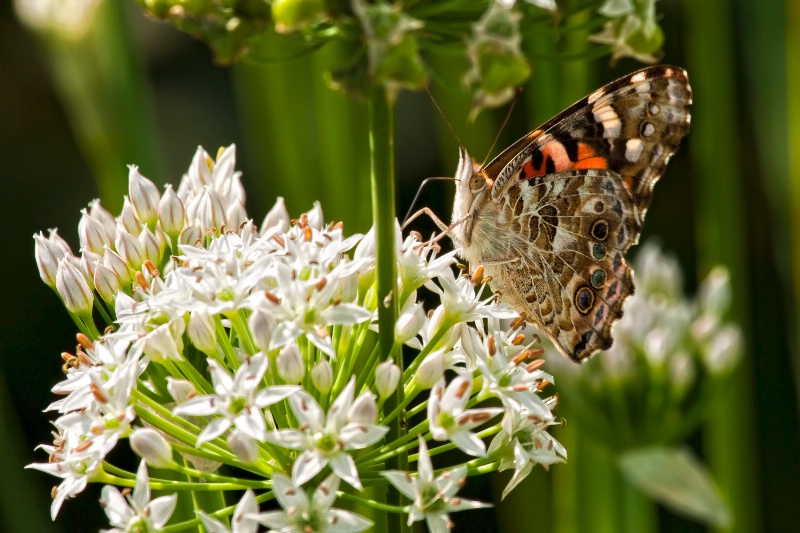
[
  {"x": 419, "y": 191},
  {"x": 441, "y": 114},
  {"x": 503, "y": 125}
]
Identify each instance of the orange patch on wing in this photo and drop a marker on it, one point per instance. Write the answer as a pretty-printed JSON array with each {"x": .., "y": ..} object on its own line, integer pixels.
[
  {"x": 555, "y": 153},
  {"x": 592, "y": 162}
]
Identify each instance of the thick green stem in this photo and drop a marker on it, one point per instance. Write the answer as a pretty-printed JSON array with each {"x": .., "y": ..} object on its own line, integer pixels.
[{"x": 381, "y": 144}]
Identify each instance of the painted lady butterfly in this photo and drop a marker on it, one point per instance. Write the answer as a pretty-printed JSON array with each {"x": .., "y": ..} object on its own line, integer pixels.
[{"x": 551, "y": 217}]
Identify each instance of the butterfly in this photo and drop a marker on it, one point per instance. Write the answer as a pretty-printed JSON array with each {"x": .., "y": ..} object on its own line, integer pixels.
[{"x": 551, "y": 217}]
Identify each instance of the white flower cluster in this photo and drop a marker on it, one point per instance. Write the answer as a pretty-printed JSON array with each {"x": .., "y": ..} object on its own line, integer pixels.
[{"x": 256, "y": 348}]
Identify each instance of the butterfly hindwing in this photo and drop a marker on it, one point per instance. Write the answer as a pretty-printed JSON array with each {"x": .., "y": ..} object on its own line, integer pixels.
[{"x": 571, "y": 278}]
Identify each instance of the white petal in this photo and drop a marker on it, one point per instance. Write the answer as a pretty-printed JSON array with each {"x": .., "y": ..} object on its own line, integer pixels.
[
  {"x": 287, "y": 494},
  {"x": 325, "y": 493},
  {"x": 345, "y": 468},
  {"x": 337, "y": 414},
  {"x": 200, "y": 406},
  {"x": 212, "y": 525},
  {"x": 141, "y": 491},
  {"x": 252, "y": 424},
  {"x": 288, "y": 438},
  {"x": 469, "y": 443},
  {"x": 308, "y": 465},
  {"x": 357, "y": 436},
  {"x": 307, "y": 410},
  {"x": 340, "y": 521},
  {"x": 161, "y": 509},
  {"x": 214, "y": 429},
  {"x": 271, "y": 395},
  {"x": 402, "y": 482},
  {"x": 116, "y": 506}
]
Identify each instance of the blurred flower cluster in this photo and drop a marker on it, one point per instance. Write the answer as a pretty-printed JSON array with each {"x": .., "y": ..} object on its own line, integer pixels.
[
  {"x": 390, "y": 41},
  {"x": 670, "y": 356},
  {"x": 255, "y": 348}
]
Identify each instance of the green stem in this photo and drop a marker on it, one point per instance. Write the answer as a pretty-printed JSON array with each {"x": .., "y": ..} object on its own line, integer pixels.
[{"x": 381, "y": 143}]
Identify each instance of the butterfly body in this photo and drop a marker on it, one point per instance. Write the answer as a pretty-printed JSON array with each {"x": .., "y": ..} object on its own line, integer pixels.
[{"x": 551, "y": 217}]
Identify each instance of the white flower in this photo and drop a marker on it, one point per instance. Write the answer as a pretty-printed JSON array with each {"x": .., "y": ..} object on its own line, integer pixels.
[
  {"x": 239, "y": 400},
  {"x": 242, "y": 521},
  {"x": 304, "y": 513},
  {"x": 525, "y": 433},
  {"x": 449, "y": 420},
  {"x": 325, "y": 440},
  {"x": 432, "y": 498},
  {"x": 137, "y": 512},
  {"x": 462, "y": 303}
]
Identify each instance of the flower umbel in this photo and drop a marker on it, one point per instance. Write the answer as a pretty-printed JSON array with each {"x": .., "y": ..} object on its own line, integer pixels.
[{"x": 256, "y": 348}]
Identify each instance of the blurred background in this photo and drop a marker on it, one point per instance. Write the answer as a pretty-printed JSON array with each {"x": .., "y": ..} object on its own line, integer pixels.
[{"x": 141, "y": 92}]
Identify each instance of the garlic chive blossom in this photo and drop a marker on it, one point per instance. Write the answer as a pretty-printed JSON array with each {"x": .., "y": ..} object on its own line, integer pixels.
[{"x": 255, "y": 348}]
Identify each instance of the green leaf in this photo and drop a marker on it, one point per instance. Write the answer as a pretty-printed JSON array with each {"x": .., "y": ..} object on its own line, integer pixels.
[{"x": 675, "y": 478}]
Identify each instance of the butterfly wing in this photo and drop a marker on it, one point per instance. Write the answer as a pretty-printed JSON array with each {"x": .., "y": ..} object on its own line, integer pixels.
[
  {"x": 631, "y": 126},
  {"x": 570, "y": 278},
  {"x": 580, "y": 186}
]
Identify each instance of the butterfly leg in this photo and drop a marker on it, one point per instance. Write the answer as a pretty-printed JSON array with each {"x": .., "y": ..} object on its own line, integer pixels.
[{"x": 427, "y": 211}]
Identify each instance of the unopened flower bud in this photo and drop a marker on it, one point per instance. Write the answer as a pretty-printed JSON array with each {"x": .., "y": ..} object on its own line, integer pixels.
[
  {"x": 364, "y": 410},
  {"x": 408, "y": 324},
  {"x": 47, "y": 256},
  {"x": 191, "y": 235},
  {"x": 724, "y": 350},
  {"x": 237, "y": 216},
  {"x": 715, "y": 292},
  {"x": 106, "y": 282},
  {"x": 278, "y": 217},
  {"x": 74, "y": 291},
  {"x": 211, "y": 210},
  {"x": 92, "y": 233},
  {"x": 262, "y": 324},
  {"x": 99, "y": 213},
  {"x": 681, "y": 372},
  {"x": 130, "y": 249},
  {"x": 89, "y": 262},
  {"x": 179, "y": 389},
  {"x": 290, "y": 364},
  {"x": 152, "y": 246},
  {"x": 144, "y": 196},
  {"x": 244, "y": 447},
  {"x": 202, "y": 332},
  {"x": 322, "y": 376},
  {"x": 171, "y": 213},
  {"x": 112, "y": 260},
  {"x": 315, "y": 217},
  {"x": 151, "y": 446},
  {"x": 128, "y": 219},
  {"x": 430, "y": 370},
  {"x": 162, "y": 344},
  {"x": 387, "y": 376}
]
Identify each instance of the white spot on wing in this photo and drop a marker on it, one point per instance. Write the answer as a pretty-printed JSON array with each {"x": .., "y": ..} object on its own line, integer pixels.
[
  {"x": 595, "y": 95},
  {"x": 648, "y": 129},
  {"x": 611, "y": 122},
  {"x": 633, "y": 150},
  {"x": 636, "y": 78}
]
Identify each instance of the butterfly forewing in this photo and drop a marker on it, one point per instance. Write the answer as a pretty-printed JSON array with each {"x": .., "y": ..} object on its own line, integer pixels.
[{"x": 566, "y": 202}]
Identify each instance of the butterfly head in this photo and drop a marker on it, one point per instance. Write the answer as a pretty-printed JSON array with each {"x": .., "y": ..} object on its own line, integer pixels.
[{"x": 471, "y": 187}]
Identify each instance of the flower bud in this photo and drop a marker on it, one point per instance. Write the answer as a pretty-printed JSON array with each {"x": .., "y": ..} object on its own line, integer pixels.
[
  {"x": 128, "y": 219},
  {"x": 363, "y": 411},
  {"x": 152, "y": 246},
  {"x": 278, "y": 217},
  {"x": 724, "y": 350},
  {"x": 315, "y": 218},
  {"x": 130, "y": 249},
  {"x": 681, "y": 372},
  {"x": 715, "y": 292},
  {"x": 89, "y": 262},
  {"x": 290, "y": 364},
  {"x": 202, "y": 332},
  {"x": 430, "y": 370},
  {"x": 408, "y": 324},
  {"x": 112, "y": 260},
  {"x": 262, "y": 324},
  {"x": 244, "y": 447},
  {"x": 179, "y": 389},
  {"x": 191, "y": 235},
  {"x": 144, "y": 196},
  {"x": 74, "y": 291},
  {"x": 106, "y": 282},
  {"x": 387, "y": 376},
  {"x": 211, "y": 210},
  {"x": 322, "y": 376},
  {"x": 199, "y": 172},
  {"x": 99, "y": 213},
  {"x": 47, "y": 256},
  {"x": 171, "y": 213},
  {"x": 151, "y": 446},
  {"x": 92, "y": 233},
  {"x": 236, "y": 217},
  {"x": 161, "y": 345}
]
